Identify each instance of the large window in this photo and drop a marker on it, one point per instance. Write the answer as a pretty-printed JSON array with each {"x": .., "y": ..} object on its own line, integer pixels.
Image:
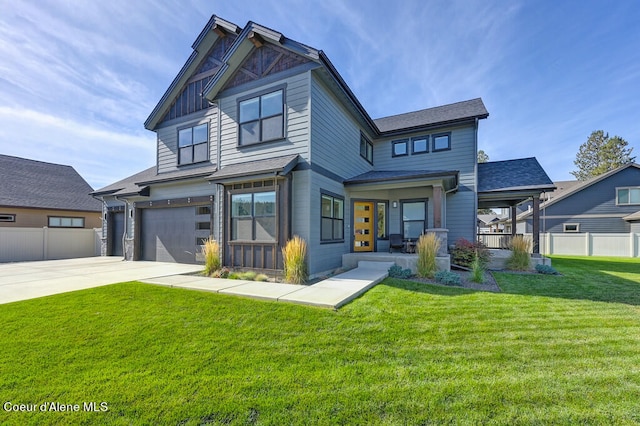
[
  {"x": 253, "y": 216},
  {"x": 261, "y": 118},
  {"x": 626, "y": 196},
  {"x": 332, "y": 221},
  {"x": 193, "y": 144},
  {"x": 66, "y": 222},
  {"x": 366, "y": 148},
  {"x": 414, "y": 214}
]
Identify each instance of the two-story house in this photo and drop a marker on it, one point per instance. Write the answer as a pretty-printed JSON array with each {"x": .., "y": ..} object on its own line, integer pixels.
[{"x": 259, "y": 138}]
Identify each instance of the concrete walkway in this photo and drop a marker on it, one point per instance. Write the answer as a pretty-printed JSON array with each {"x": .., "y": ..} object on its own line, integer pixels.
[
  {"x": 29, "y": 280},
  {"x": 330, "y": 293}
]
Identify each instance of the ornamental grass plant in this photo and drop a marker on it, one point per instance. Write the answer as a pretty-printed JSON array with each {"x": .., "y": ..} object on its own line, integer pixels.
[
  {"x": 520, "y": 258},
  {"x": 294, "y": 256},
  {"x": 427, "y": 249},
  {"x": 211, "y": 252}
]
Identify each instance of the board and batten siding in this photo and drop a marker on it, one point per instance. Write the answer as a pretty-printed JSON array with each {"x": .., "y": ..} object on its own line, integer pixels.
[
  {"x": 296, "y": 124},
  {"x": 167, "y": 136},
  {"x": 335, "y": 134}
]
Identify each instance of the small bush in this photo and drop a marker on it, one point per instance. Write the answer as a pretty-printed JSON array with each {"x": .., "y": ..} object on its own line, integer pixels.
[
  {"x": 261, "y": 277},
  {"x": 211, "y": 253},
  {"x": 397, "y": 272},
  {"x": 233, "y": 276},
  {"x": 477, "y": 270},
  {"x": 295, "y": 266},
  {"x": 546, "y": 269},
  {"x": 427, "y": 249},
  {"x": 519, "y": 259},
  {"x": 221, "y": 273},
  {"x": 464, "y": 252},
  {"x": 447, "y": 278},
  {"x": 247, "y": 276}
]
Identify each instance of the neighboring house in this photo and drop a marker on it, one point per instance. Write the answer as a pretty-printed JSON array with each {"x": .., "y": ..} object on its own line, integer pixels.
[
  {"x": 488, "y": 223},
  {"x": 609, "y": 203},
  {"x": 34, "y": 194},
  {"x": 259, "y": 139}
]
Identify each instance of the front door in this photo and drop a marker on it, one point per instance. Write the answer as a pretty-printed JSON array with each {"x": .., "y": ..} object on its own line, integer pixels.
[{"x": 363, "y": 226}]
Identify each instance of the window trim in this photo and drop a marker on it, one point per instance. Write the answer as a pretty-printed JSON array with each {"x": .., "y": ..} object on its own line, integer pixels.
[
  {"x": 399, "y": 142},
  {"x": 629, "y": 188},
  {"x": 439, "y": 135},
  {"x": 426, "y": 213},
  {"x": 416, "y": 138},
  {"x": 253, "y": 216},
  {"x": 564, "y": 228},
  {"x": 281, "y": 88},
  {"x": 333, "y": 197},
  {"x": 7, "y": 217},
  {"x": 192, "y": 145},
  {"x": 49, "y": 225},
  {"x": 368, "y": 146}
]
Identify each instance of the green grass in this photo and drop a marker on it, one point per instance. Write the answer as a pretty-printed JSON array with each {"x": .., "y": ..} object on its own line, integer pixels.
[{"x": 549, "y": 350}]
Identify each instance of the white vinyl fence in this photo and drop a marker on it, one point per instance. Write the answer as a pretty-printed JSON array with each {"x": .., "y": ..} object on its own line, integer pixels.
[
  {"x": 588, "y": 244},
  {"x": 22, "y": 244}
]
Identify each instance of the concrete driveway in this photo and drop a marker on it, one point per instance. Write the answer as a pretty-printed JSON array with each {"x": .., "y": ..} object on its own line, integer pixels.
[{"x": 28, "y": 280}]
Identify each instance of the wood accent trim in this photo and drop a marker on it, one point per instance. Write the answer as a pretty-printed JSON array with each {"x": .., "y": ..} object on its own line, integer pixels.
[
  {"x": 256, "y": 39},
  {"x": 219, "y": 30},
  {"x": 536, "y": 224},
  {"x": 514, "y": 213}
]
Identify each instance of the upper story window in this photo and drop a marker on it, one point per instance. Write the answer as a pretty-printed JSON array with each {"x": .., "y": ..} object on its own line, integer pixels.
[
  {"x": 66, "y": 222},
  {"x": 193, "y": 144},
  {"x": 441, "y": 142},
  {"x": 420, "y": 145},
  {"x": 628, "y": 196},
  {"x": 366, "y": 148},
  {"x": 261, "y": 118},
  {"x": 400, "y": 148}
]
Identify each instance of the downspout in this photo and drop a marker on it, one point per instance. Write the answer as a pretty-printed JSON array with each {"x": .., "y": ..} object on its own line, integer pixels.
[{"x": 124, "y": 234}]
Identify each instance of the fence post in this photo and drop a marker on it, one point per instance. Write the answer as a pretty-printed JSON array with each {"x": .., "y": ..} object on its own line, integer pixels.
[
  {"x": 45, "y": 243},
  {"x": 632, "y": 244},
  {"x": 587, "y": 243}
]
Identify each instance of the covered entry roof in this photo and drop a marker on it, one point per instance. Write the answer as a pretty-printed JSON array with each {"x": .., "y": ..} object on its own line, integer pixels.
[
  {"x": 405, "y": 177},
  {"x": 511, "y": 182}
]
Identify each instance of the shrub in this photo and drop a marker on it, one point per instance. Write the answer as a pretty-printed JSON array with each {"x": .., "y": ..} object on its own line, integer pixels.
[
  {"x": 546, "y": 269},
  {"x": 447, "y": 278},
  {"x": 477, "y": 270},
  {"x": 295, "y": 266},
  {"x": 221, "y": 273},
  {"x": 261, "y": 277},
  {"x": 397, "y": 272},
  {"x": 427, "y": 249},
  {"x": 248, "y": 276},
  {"x": 233, "y": 276},
  {"x": 519, "y": 259},
  {"x": 464, "y": 252},
  {"x": 211, "y": 253}
]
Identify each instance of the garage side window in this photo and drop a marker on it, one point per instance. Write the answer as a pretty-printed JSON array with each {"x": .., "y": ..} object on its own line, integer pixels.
[
  {"x": 193, "y": 144},
  {"x": 253, "y": 216},
  {"x": 66, "y": 222}
]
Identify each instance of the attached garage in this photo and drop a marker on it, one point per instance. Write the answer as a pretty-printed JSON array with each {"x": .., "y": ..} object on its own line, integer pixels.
[{"x": 174, "y": 234}]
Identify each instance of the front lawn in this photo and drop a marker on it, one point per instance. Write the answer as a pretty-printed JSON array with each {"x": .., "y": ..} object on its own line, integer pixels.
[{"x": 548, "y": 350}]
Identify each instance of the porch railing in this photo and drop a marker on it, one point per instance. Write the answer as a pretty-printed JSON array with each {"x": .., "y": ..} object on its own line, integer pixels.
[{"x": 495, "y": 241}]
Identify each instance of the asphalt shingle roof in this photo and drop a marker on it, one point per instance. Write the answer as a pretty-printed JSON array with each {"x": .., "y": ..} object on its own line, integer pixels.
[
  {"x": 276, "y": 164},
  {"x": 516, "y": 174},
  {"x": 36, "y": 184},
  {"x": 391, "y": 175},
  {"x": 473, "y": 108},
  {"x": 128, "y": 185}
]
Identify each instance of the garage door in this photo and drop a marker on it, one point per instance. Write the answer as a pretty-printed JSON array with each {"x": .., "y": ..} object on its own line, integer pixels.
[{"x": 174, "y": 234}]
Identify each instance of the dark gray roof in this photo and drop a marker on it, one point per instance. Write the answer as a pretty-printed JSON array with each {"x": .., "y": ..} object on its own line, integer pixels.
[
  {"x": 128, "y": 185},
  {"x": 30, "y": 183},
  {"x": 276, "y": 165},
  {"x": 513, "y": 175},
  {"x": 444, "y": 114},
  {"x": 392, "y": 175}
]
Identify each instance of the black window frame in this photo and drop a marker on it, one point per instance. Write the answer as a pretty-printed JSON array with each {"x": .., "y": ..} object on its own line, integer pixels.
[
  {"x": 396, "y": 142},
  {"x": 426, "y": 217},
  {"x": 334, "y": 220},
  {"x": 366, "y": 148},
  {"x": 192, "y": 145},
  {"x": 65, "y": 226},
  {"x": 253, "y": 216},
  {"x": 259, "y": 121},
  {"x": 440, "y": 135},
  {"x": 7, "y": 217},
  {"x": 413, "y": 144}
]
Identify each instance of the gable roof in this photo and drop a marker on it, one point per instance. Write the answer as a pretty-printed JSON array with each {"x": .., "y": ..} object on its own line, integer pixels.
[
  {"x": 254, "y": 35},
  {"x": 509, "y": 175},
  {"x": 128, "y": 185},
  {"x": 579, "y": 186},
  {"x": 36, "y": 184}
]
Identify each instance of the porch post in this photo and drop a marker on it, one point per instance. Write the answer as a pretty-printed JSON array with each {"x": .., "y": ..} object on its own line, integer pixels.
[
  {"x": 437, "y": 207},
  {"x": 513, "y": 221},
  {"x": 536, "y": 226}
]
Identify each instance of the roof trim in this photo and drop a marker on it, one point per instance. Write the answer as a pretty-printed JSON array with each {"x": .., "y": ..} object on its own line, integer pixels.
[{"x": 400, "y": 175}]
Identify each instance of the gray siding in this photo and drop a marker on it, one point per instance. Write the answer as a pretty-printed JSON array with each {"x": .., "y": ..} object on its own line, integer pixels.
[
  {"x": 335, "y": 134},
  {"x": 296, "y": 125},
  {"x": 168, "y": 139}
]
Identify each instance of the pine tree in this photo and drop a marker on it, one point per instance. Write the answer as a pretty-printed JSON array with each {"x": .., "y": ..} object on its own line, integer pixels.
[{"x": 600, "y": 154}]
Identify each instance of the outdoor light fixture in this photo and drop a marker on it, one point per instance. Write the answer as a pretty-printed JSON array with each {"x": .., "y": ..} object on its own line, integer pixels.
[{"x": 394, "y": 204}]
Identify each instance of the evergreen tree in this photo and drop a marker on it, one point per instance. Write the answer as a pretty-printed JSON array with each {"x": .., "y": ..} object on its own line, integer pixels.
[{"x": 600, "y": 154}]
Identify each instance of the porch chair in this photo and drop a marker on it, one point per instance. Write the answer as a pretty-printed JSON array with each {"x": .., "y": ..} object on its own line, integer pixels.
[{"x": 395, "y": 241}]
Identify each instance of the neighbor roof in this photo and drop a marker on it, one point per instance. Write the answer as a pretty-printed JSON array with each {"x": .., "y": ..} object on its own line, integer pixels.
[
  {"x": 513, "y": 175},
  {"x": 36, "y": 184}
]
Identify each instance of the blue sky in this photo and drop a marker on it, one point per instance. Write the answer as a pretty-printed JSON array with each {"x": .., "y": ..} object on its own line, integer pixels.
[{"x": 79, "y": 78}]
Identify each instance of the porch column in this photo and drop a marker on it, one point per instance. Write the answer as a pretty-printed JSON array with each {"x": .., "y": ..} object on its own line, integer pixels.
[
  {"x": 437, "y": 207},
  {"x": 536, "y": 226},
  {"x": 513, "y": 221}
]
